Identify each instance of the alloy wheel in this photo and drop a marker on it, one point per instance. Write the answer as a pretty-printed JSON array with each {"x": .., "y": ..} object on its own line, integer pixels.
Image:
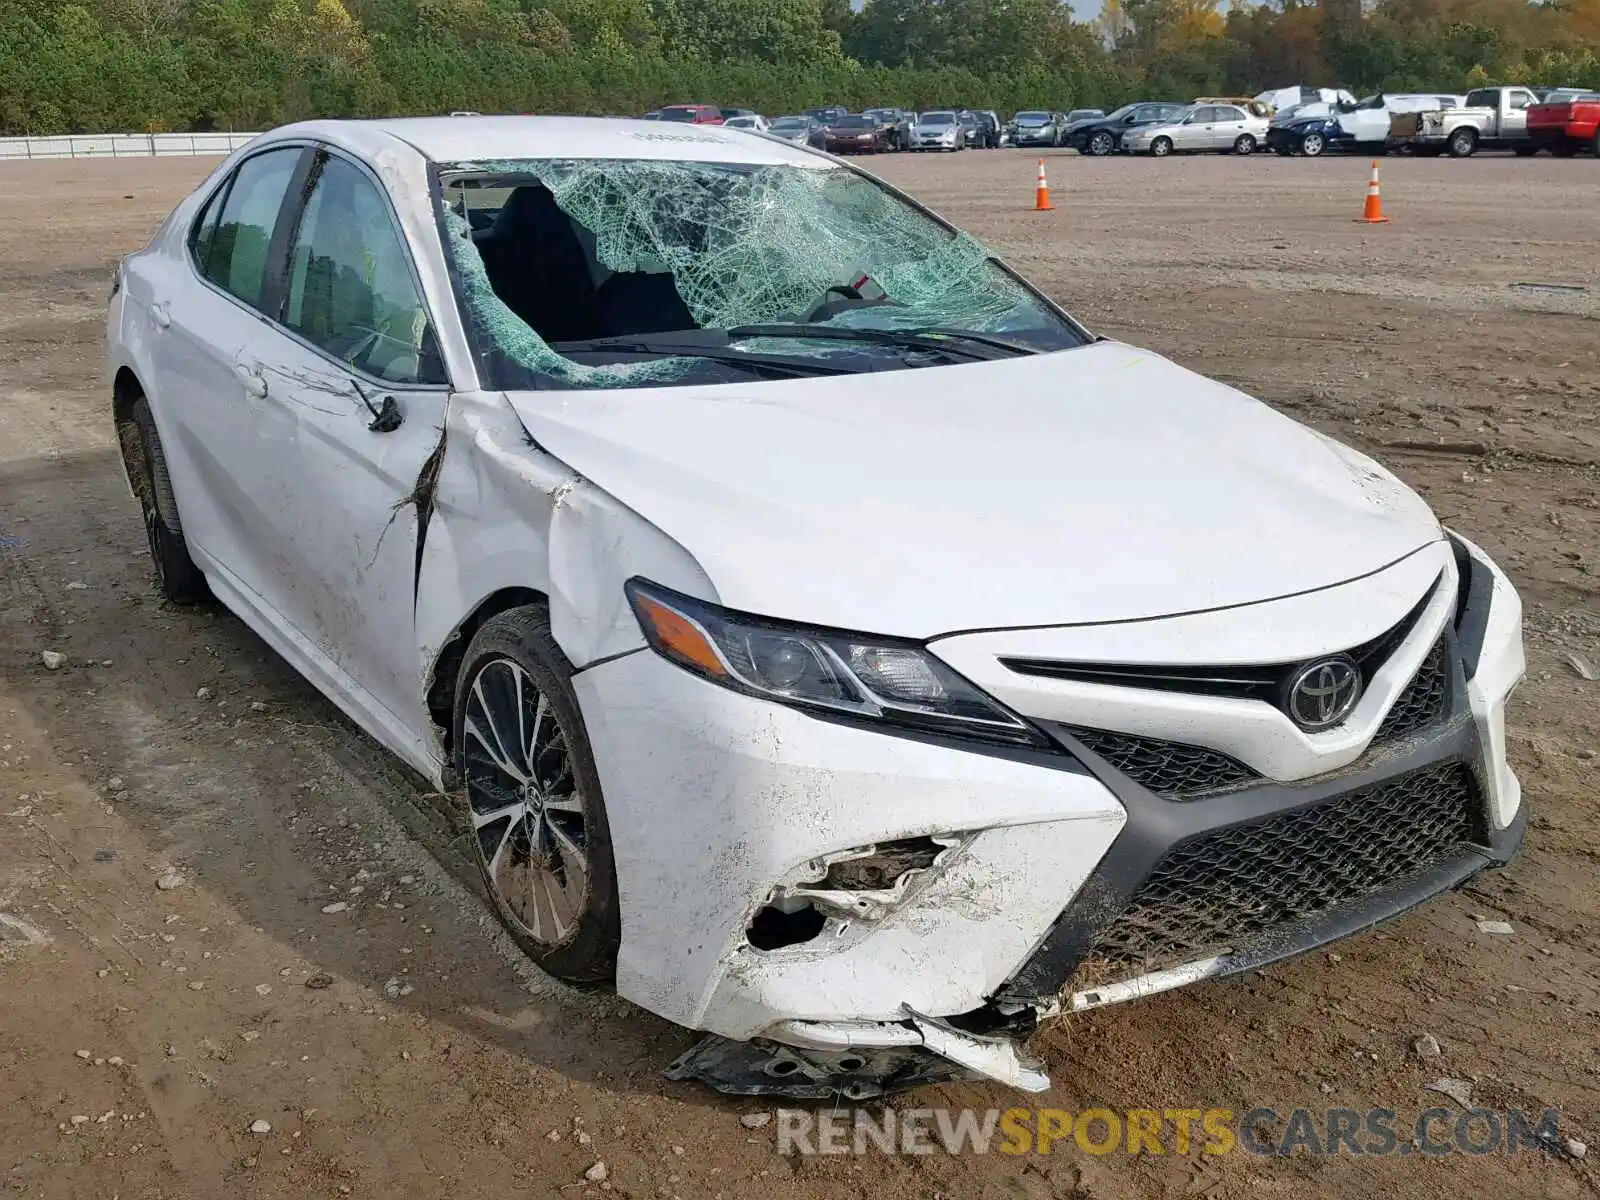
[
  {"x": 528, "y": 816},
  {"x": 1311, "y": 145},
  {"x": 1100, "y": 144}
]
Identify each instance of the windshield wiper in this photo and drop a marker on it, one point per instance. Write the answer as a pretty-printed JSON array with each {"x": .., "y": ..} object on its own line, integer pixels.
[
  {"x": 688, "y": 345},
  {"x": 943, "y": 341}
]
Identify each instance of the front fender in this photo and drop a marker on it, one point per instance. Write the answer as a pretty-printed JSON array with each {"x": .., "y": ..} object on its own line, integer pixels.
[{"x": 503, "y": 514}]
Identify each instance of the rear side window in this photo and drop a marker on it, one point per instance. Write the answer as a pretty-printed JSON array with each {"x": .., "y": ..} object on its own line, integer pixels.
[
  {"x": 231, "y": 249},
  {"x": 350, "y": 288}
]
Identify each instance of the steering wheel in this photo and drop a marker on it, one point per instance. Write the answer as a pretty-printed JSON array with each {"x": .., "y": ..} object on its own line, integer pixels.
[{"x": 849, "y": 298}]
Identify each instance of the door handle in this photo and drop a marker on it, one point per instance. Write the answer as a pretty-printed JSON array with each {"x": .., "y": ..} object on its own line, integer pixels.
[
  {"x": 255, "y": 385},
  {"x": 160, "y": 316}
]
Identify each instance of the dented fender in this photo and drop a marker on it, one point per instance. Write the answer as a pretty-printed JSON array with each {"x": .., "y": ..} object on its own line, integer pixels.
[{"x": 505, "y": 514}]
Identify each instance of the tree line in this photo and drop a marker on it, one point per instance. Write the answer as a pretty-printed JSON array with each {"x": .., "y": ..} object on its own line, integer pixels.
[{"x": 71, "y": 66}]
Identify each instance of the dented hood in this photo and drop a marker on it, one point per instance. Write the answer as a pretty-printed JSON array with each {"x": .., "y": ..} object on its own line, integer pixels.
[{"x": 1092, "y": 485}]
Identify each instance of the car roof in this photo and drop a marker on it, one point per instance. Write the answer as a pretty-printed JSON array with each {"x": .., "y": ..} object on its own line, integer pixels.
[{"x": 479, "y": 139}]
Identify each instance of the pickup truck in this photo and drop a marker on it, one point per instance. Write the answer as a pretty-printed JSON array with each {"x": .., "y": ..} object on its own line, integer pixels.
[
  {"x": 1565, "y": 126},
  {"x": 1490, "y": 118}
]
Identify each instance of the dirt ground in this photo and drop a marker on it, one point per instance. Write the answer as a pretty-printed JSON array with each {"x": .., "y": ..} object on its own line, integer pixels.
[{"x": 400, "y": 1048}]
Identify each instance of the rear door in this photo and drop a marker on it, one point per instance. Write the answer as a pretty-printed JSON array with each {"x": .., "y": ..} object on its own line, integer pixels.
[
  {"x": 202, "y": 315},
  {"x": 1230, "y": 122}
]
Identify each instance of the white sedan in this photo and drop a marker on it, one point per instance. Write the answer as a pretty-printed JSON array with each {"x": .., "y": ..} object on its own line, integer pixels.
[
  {"x": 1223, "y": 128},
  {"x": 826, "y": 637}
]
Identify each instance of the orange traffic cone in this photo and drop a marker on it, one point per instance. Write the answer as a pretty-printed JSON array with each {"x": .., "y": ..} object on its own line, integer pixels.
[
  {"x": 1372, "y": 213},
  {"x": 1041, "y": 193}
]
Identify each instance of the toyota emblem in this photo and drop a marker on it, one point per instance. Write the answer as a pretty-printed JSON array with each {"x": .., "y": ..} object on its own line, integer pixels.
[{"x": 1321, "y": 694}]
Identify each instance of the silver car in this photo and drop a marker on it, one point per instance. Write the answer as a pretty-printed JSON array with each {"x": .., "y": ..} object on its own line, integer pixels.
[
  {"x": 1215, "y": 127},
  {"x": 938, "y": 130}
]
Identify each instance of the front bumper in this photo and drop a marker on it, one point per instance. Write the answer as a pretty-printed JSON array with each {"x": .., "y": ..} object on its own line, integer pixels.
[{"x": 1068, "y": 874}]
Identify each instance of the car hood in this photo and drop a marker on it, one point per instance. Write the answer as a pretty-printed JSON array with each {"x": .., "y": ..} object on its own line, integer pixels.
[{"x": 1092, "y": 485}]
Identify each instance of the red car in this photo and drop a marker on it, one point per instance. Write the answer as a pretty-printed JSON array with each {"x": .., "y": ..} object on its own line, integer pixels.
[
  {"x": 691, "y": 114},
  {"x": 854, "y": 135},
  {"x": 1566, "y": 126}
]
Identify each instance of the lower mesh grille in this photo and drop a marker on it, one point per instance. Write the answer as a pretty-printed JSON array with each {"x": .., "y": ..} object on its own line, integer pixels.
[
  {"x": 1171, "y": 769},
  {"x": 1224, "y": 889},
  {"x": 1424, "y": 700}
]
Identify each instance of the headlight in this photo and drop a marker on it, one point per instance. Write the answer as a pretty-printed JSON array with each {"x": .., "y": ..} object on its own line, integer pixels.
[{"x": 877, "y": 679}]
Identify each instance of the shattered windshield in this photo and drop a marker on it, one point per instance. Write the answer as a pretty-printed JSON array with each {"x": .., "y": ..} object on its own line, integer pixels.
[{"x": 623, "y": 272}]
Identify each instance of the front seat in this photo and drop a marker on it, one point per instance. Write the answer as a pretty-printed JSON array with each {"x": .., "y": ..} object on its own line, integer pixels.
[{"x": 538, "y": 267}]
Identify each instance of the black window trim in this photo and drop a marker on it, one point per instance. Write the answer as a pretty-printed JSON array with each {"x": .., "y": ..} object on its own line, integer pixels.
[
  {"x": 221, "y": 194},
  {"x": 285, "y": 228}
]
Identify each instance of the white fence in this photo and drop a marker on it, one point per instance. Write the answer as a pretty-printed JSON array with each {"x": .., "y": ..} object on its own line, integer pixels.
[{"x": 122, "y": 145}]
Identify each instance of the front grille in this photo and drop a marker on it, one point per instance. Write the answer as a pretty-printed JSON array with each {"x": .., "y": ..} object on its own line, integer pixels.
[
  {"x": 1424, "y": 700},
  {"x": 1171, "y": 769},
  {"x": 1223, "y": 890}
]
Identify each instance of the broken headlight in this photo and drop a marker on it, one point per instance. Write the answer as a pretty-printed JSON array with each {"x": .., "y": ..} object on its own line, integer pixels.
[{"x": 878, "y": 679}]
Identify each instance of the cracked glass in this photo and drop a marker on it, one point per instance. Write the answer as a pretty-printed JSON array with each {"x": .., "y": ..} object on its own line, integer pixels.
[{"x": 551, "y": 257}]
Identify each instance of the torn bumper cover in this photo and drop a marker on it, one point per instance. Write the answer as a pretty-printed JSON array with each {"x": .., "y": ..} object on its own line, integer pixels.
[{"x": 873, "y": 912}]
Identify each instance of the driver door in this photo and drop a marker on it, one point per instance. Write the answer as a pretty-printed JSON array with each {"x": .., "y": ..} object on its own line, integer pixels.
[
  {"x": 1195, "y": 133},
  {"x": 333, "y": 488}
]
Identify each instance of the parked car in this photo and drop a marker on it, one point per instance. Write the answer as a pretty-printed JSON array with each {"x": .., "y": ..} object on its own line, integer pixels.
[
  {"x": 988, "y": 129},
  {"x": 897, "y": 122},
  {"x": 1036, "y": 127},
  {"x": 1490, "y": 118},
  {"x": 824, "y": 113},
  {"x": 1256, "y": 108},
  {"x": 1368, "y": 125},
  {"x": 1204, "y": 127},
  {"x": 939, "y": 129},
  {"x": 1280, "y": 99},
  {"x": 729, "y": 114},
  {"x": 804, "y": 129},
  {"x": 1564, "y": 125},
  {"x": 1105, "y": 135},
  {"x": 969, "y": 125},
  {"x": 753, "y": 122},
  {"x": 1308, "y": 129},
  {"x": 691, "y": 114},
  {"x": 855, "y": 134},
  {"x": 1079, "y": 115},
  {"x": 786, "y": 735}
]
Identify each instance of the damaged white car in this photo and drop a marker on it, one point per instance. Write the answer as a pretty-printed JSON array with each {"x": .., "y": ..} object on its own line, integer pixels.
[{"x": 829, "y": 640}]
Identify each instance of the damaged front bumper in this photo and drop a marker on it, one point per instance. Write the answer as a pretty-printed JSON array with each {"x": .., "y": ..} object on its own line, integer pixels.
[{"x": 856, "y": 911}]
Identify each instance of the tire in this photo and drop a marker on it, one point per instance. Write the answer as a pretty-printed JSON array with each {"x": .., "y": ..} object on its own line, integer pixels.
[
  {"x": 1462, "y": 142},
  {"x": 1566, "y": 149},
  {"x": 180, "y": 581},
  {"x": 547, "y": 869},
  {"x": 1161, "y": 147},
  {"x": 1313, "y": 144},
  {"x": 1244, "y": 144},
  {"x": 1101, "y": 143}
]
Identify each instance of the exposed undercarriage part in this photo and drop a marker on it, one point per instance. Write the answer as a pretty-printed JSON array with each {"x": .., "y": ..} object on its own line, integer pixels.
[{"x": 819, "y": 1060}]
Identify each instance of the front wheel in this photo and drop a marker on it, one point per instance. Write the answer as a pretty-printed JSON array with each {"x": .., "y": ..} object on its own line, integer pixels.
[
  {"x": 179, "y": 579},
  {"x": 1462, "y": 143},
  {"x": 1161, "y": 147},
  {"x": 1102, "y": 144},
  {"x": 1313, "y": 144},
  {"x": 540, "y": 835},
  {"x": 1244, "y": 144}
]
